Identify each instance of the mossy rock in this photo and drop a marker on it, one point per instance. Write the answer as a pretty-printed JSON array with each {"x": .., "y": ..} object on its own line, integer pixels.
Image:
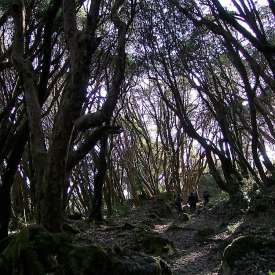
[
  {"x": 19, "y": 257},
  {"x": 184, "y": 217},
  {"x": 180, "y": 223},
  {"x": 174, "y": 227},
  {"x": 240, "y": 247},
  {"x": 148, "y": 222},
  {"x": 159, "y": 208},
  {"x": 142, "y": 228},
  {"x": 94, "y": 260},
  {"x": 75, "y": 216},
  {"x": 261, "y": 204},
  {"x": 204, "y": 233},
  {"x": 127, "y": 226},
  {"x": 166, "y": 196},
  {"x": 34, "y": 251},
  {"x": 154, "y": 216},
  {"x": 5, "y": 242},
  {"x": 152, "y": 243},
  {"x": 139, "y": 265},
  {"x": 87, "y": 260},
  {"x": 71, "y": 228}
]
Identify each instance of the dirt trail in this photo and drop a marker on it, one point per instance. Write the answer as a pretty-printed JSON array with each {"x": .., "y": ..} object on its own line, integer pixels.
[
  {"x": 196, "y": 256},
  {"x": 199, "y": 242},
  {"x": 193, "y": 255}
]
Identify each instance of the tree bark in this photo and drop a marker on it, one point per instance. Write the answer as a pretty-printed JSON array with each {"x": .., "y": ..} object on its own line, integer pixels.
[
  {"x": 81, "y": 45},
  {"x": 96, "y": 213},
  {"x": 7, "y": 180}
]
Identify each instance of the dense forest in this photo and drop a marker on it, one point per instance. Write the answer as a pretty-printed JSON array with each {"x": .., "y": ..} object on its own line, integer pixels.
[{"x": 110, "y": 109}]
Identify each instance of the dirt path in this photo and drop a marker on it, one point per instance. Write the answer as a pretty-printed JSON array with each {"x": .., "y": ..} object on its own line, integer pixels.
[
  {"x": 199, "y": 242},
  {"x": 195, "y": 256},
  {"x": 192, "y": 256}
]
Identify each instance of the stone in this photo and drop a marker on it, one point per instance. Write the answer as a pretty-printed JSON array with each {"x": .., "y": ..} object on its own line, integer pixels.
[
  {"x": 204, "y": 233},
  {"x": 35, "y": 251},
  {"x": 241, "y": 247},
  {"x": 154, "y": 244}
]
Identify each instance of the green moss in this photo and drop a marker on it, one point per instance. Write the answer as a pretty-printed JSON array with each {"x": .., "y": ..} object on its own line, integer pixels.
[
  {"x": 240, "y": 247},
  {"x": 19, "y": 257},
  {"x": 244, "y": 244},
  {"x": 88, "y": 260},
  {"x": 184, "y": 217},
  {"x": 166, "y": 196},
  {"x": 35, "y": 251},
  {"x": 32, "y": 251},
  {"x": 174, "y": 227},
  {"x": 96, "y": 260},
  {"x": 71, "y": 228},
  {"x": 260, "y": 204},
  {"x": 159, "y": 208},
  {"x": 153, "y": 243}
]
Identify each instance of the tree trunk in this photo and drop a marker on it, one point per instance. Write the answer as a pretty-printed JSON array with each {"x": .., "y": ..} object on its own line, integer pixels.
[
  {"x": 96, "y": 213},
  {"x": 7, "y": 180},
  {"x": 5, "y": 210}
]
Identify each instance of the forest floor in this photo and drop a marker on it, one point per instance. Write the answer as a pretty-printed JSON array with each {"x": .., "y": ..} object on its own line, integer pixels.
[
  {"x": 193, "y": 255},
  {"x": 199, "y": 242}
]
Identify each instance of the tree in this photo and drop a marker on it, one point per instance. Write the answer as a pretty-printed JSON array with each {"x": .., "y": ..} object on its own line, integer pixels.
[{"x": 54, "y": 156}]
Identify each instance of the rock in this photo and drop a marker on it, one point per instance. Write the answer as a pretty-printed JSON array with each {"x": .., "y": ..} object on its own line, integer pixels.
[
  {"x": 75, "y": 216},
  {"x": 154, "y": 216},
  {"x": 184, "y": 217},
  {"x": 127, "y": 226},
  {"x": 185, "y": 208},
  {"x": 71, "y": 228},
  {"x": 261, "y": 202},
  {"x": 241, "y": 247},
  {"x": 159, "y": 208},
  {"x": 166, "y": 196},
  {"x": 204, "y": 233},
  {"x": 34, "y": 251},
  {"x": 28, "y": 253},
  {"x": 153, "y": 243},
  {"x": 174, "y": 227},
  {"x": 180, "y": 223},
  {"x": 96, "y": 260},
  {"x": 139, "y": 265}
]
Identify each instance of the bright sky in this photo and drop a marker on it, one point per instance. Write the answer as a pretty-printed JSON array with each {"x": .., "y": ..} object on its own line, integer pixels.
[
  {"x": 228, "y": 3},
  {"x": 225, "y": 2}
]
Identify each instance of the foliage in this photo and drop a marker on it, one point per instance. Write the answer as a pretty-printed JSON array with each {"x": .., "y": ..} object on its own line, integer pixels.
[{"x": 101, "y": 103}]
